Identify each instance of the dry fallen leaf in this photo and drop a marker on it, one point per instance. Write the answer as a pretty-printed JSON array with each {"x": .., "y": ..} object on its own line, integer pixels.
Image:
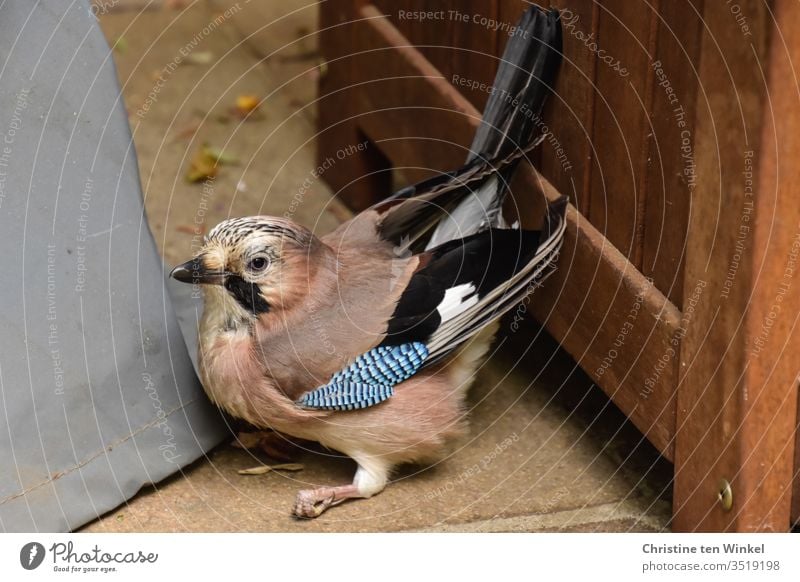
[
  {"x": 200, "y": 58},
  {"x": 206, "y": 161},
  {"x": 220, "y": 156},
  {"x": 201, "y": 167},
  {"x": 246, "y": 104},
  {"x": 190, "y": 229},
  {"x": 121, "y": 45},
  {"x": 262, "y": 469}
]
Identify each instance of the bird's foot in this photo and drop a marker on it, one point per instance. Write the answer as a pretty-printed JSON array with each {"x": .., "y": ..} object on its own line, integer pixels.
[
  {"x": 276, "y": 445},
  {"x": 311, "y": 503}
]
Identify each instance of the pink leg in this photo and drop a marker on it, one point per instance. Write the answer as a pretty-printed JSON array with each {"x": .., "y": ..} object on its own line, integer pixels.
[
  {"x": 370, "y": 479},
  {"x": 311, "y": 503}
]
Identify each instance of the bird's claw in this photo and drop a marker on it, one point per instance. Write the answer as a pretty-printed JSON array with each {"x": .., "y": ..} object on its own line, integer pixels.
[{"x": 311, "y": 503}]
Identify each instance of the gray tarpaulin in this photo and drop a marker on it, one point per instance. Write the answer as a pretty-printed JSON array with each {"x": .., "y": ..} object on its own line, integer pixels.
[{"x": 99, "y": 396}]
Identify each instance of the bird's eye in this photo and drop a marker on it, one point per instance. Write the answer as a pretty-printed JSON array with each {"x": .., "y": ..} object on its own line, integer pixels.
[{"x": 258, "y": 264}]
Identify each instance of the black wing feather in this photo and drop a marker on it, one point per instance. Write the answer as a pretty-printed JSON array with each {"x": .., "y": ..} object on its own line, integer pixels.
[{"x": 486, "y": 260}]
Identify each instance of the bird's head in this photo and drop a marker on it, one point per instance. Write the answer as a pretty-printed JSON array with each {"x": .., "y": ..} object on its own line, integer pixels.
[{"x": 254, "y": 265}]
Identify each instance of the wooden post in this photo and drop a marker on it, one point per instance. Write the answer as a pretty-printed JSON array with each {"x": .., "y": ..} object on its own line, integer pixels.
[
  {"x": 737, "y": 393},
  {"x": 796, "y": 486},
  {"x": 362, "y": 175}
]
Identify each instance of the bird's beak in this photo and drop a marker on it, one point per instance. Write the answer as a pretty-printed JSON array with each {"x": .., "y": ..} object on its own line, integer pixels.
[{"x": 194, "y": 271}]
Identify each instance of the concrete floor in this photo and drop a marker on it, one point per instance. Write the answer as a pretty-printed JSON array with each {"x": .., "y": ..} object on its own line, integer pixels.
[{"x": 547, "y": 450}]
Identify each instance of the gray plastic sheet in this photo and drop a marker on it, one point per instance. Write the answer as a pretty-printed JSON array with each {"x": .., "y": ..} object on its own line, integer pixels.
[{"x": 99, "y": 396}]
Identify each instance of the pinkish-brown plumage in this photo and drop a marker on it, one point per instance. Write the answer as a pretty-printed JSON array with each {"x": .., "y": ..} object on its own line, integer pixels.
[
  {"x": 436, "y": 265},
  {"x": 256, "y": 369}
]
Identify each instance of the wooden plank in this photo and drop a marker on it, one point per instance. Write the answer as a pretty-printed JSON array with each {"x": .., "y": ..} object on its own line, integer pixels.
[
  {"x": 508, "y": 12},
  {"x": 356, "y": 179},
  {"x": 426, "y": 32},
  {"x": 621, "y": 330},
  {"x": 624, "y": 84},
  {"x": 406, "y": 90},
  {"x": 597, "y": 305},
  {"x": 566, "y": 155},
  {"x": 670, "y": 167},
  {"x": 456, "y": 36},
  {"x": 476, "y": 41},
  {"x": 737, "y": 399},
  {"x": 796, "y": 487}
]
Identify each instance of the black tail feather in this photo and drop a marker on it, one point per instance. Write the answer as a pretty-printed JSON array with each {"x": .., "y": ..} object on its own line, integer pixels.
[
  {"x": 524, "y": 79},
  {"x": 456, "y": 205}
]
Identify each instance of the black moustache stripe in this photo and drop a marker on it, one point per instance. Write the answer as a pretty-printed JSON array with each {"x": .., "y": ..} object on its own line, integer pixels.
[{"x": 246, "y": 294}]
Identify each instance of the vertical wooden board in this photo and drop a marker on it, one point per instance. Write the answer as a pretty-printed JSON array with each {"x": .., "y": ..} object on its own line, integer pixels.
[
  {"x": 712, "y": 361},
  {"x": 509, "y": 11},
  {"x": 387, "y": 7},
  {"x": 358, "y": 179},
  {"x": 737, "y": 394},
  {"x": 796, "y": 486},
  {"x": 670, "y": 168},
  {"x": 768, "y": 413},
  {"x": 425, "y": 24},
  {"x": 400, "y": 88},
  {"x": 457, "y": 37},
  {"x": 620, "y": 132},
  {"x": 475, "y": 55},
  {"x": 391, "y": 8},
  {"x": 566, "y": 154}
]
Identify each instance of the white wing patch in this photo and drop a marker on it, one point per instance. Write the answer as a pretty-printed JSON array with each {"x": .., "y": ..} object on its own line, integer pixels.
[
  {"x": 476, "y": 314},
  {"x": 457, "y": 300}
]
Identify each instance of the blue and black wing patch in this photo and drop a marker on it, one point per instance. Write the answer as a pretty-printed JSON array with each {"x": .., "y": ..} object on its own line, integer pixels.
[
  {"x": 345, "y": 395},
  {"x": 369, "y": 380},
  {"x": 388, "y": 365}
]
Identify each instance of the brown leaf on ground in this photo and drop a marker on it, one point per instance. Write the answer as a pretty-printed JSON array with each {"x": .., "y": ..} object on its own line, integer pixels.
[
  {"x": 190, "y": 228},
  {"x": 220, "y": 156},
  {"x": 200, "y": 58},
  {"x": 246, "y": 105},
  {"x": 206, "y": 161},
  {"x": 262, "y": 469},
  {"x": 202, "y": 166},
  {"x": 121, "y": 45}
]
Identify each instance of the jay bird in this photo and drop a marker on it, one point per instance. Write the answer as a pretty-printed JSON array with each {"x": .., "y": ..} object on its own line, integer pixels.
[{"x": 366, "y": 339}]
